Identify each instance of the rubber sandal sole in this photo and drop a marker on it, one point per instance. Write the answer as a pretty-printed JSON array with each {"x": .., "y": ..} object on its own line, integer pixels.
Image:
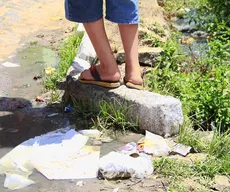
[
  {"x": 101, "y": 83},
  {"x": 132, "y": 85}
]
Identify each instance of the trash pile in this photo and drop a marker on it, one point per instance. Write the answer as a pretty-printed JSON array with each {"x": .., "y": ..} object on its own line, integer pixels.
[{"x": 64, "y": 154}]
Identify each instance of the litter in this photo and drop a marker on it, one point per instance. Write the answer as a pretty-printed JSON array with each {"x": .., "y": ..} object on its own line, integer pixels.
[
  {"x": 117, "y": 165},
  {"x": 14, "y": 181},
  {"x": 80, "y": 183},
  {"x": 94, "y": 133},
  {"x": 39, "y": 99},
  {"x": 52, "y": 115},
  {"x": 181, "y": 150},
  {"x": 154, "y": 145},
  {"x": 116, "y": 189},
  {"x": 59, "y": 159},
  {"x": 36, "y": 77},
  {"x": 68, "y": 109},
  {"x": 9, "y": 64},
  {"x": 130, "y": 148}
]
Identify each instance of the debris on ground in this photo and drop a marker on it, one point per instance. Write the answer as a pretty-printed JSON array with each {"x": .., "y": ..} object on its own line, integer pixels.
[
  {"x": 180, "y": 149},
  {"x": 9, "y": 64},
  {"x": 94, "y": 133},
  {"x": 116, "y": 189},
  {"x": 60, "y": 160},
  {"x": 80, "y": 183},
  {"x": 68, "y": 108},
  {"x": 37, "y": 77},
  {"x": 52, "y": 115},
  {"x": 14, "y": 181},
  {"x": 130, "y": 148},
  {"x": 221, "y": 183},
  {"x": 39, "y": 99},
  {"x": 154, "y": 145},
  {"x": 116, "y": 165},
  {"x": 49, "y": 70}
]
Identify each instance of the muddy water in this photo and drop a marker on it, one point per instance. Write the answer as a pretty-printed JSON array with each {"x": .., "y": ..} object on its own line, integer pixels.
[{"x": 30, "y": 31}]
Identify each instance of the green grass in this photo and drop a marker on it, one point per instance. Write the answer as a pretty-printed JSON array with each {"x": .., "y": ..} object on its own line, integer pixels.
[
  {"x": 67, "y": 52},
  {"x": 175, "y": 5},
  {"x": 105, "y": 115},
  {"x": 115, "y": 115}
]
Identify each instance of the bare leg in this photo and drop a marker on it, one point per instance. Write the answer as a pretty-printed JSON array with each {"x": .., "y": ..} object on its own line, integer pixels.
[
  {"x": 108, "y": 68},
  {"x": 129, "y": 36}
]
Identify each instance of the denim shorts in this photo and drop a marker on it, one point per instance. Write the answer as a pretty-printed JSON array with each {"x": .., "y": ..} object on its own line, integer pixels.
[{"x": 117, "y": 11}]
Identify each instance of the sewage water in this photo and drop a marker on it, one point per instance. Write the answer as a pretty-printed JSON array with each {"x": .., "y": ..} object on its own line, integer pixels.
[{"x": 26, "y": 29}]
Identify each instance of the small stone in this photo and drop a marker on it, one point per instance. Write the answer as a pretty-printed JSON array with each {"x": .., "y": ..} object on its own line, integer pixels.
[
  {"x": 12, "y": 130},
  {"x": 80, "y": 183},
  {"x": 221, "y": 183},
  {"x": 97, "y": 143},
  {"x": 40, "y": 36},
  {"x": 147, "y": 55},
  {"x": 106, "y": 140}
]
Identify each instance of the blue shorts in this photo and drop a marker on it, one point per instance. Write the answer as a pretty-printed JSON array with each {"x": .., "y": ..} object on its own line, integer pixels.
[{"x": 117, "y": 11}]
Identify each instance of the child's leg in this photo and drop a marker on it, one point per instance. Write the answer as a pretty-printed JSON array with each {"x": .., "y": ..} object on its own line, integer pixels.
[
  {"x": 126, "y": 14},
  {"x": 108, "y": 69},
  {"x": 89, "y": 12},
  {"x": 129, "y": 36}
]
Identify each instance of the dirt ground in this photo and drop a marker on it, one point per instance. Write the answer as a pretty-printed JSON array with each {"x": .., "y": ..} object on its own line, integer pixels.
[{"x": 42, "y": 22}]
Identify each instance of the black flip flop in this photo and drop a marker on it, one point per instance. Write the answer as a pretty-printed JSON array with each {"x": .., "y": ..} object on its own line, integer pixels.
[{"x": 97, "y": 79}]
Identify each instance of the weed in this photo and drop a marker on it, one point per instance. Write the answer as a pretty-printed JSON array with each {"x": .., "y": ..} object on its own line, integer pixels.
[
  {"x": 67, "y": 53},
  {"x": 84, "y": 109},
  {"x": 55, "y": 95},
  {"x": 115, "y": 115}
]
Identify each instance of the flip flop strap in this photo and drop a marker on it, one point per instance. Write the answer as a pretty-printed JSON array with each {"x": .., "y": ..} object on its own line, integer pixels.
[{"x": 94, "y": 73}]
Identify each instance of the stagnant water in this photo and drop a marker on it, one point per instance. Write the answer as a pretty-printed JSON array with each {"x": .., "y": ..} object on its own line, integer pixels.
[{"x": 20, "y": 116}]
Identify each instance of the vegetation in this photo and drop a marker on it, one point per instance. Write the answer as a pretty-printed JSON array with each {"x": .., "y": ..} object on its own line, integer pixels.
[
  {"x": 67, "y": 52},
  {"x": 202, "y": 83},
  {"x": 109, "y": 115}
]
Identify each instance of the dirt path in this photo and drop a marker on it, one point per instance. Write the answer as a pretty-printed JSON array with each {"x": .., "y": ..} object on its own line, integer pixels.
[{"x": 25, "y": 21}]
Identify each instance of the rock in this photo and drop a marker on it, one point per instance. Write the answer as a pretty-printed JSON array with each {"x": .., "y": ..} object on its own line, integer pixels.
[
  {"x": 156, "y": 113},
  {"x": 184, "y": 25},
  {"x": 147, "y": 55},
  {"x": 221, "y": 183},
  {"x": 199, "y": 34},
  {"x": 161, "y": 3}
]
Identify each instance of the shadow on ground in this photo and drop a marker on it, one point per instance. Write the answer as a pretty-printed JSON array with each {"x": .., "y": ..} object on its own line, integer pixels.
[{"x": 21, "y": 119}]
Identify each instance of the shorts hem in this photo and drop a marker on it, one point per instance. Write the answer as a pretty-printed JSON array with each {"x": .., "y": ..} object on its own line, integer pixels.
[
  {"x": 84, "y": 21},
  {"x": 123, "y": 21}
]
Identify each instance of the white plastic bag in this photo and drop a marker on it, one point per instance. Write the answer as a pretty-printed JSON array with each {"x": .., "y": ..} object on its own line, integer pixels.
[
  {"x": 14, "y": 181},
  {"x": 117, "y": 165}
]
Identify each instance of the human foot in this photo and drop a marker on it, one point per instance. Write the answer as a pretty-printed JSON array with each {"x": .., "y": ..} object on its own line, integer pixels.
[
  {"x": 106, "y": 79},
  {"x": 133, "y": 77}
]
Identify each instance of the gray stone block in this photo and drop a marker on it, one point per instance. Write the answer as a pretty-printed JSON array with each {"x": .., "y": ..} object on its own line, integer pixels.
[{"x": 156, "y": 113}]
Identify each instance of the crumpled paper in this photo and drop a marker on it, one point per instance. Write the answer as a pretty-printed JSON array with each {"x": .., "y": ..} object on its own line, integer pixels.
[{"x": 60, "y": 154}]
